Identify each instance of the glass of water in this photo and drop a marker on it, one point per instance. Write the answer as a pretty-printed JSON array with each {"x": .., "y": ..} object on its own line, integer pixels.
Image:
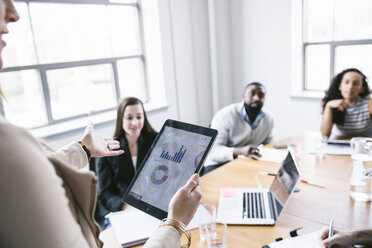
[
  {"x": 217, "y": 235},
  {"x": 361, "y": 177},
  {"x": 320, "y": 146},
  {"x": 207, "y": 216}
]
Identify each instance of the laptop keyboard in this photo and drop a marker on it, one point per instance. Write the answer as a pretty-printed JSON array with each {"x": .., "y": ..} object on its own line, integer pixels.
[{"x": 253, "y": 205}]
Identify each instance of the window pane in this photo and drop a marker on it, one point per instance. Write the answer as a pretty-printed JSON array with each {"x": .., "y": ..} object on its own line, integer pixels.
[
  {"x": 353, "y": 19},
  {"x": 70, "y": 32},
  {"x": 123, "y": 1},
  {"x": 318, "y": 20},
  {"x": 20, "y": 48},
  {"x": 317, "y": 67},
  {"x": 131, "y": 78},
  {"x": 81, "y": 90},
  {"x": 359, "y": 56},
  {"x": 124, "y": 30},
  {"x": 25, "y": 105}
]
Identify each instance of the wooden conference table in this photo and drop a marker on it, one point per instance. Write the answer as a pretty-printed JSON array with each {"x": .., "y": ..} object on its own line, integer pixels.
[{"x": 311, "y": 208}]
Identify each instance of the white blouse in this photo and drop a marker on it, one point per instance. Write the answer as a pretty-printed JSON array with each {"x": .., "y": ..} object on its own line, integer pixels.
[{"x": 134, "y": 160}]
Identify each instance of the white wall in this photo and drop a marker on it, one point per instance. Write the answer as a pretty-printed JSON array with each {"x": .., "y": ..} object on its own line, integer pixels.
[
  {"x": 211, "y": 49},
  {"x": 261, "y": 48}
]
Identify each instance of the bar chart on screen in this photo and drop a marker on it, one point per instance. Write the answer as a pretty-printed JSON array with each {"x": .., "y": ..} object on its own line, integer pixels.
[{"x": 177, "y": 157}]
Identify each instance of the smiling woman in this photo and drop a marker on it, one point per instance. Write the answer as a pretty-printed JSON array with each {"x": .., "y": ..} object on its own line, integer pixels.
[{"x": 136, "y": 136}]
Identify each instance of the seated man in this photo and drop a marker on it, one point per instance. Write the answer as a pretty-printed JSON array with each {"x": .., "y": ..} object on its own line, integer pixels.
[{"x": 241, "y": 127}]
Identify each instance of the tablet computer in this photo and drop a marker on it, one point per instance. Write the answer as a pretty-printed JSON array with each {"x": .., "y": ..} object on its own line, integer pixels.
[{"x": 178, "y": 152}]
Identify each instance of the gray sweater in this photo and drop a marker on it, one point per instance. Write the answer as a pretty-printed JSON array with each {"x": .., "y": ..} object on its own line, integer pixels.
[{"x": 234, "y": 131}]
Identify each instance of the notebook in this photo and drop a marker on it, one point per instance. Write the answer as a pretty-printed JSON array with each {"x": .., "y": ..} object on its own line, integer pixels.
[{"x": 259, "y": 206}]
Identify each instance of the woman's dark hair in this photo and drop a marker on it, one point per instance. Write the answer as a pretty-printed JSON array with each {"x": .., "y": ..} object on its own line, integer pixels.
[
  {"x": 334, "y": 93},
  {"x": 119, "y": 131}
]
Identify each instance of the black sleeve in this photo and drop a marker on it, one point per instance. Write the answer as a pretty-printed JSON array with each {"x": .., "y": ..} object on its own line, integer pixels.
[{"x": 108, "y": 193}]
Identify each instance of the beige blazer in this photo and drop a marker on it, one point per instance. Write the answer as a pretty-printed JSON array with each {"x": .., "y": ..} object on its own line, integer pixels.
[{"x": 46, "y": 201}]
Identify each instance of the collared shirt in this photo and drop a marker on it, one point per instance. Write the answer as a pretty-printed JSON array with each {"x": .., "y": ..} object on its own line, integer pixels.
[{"x": 245, "y": 116}]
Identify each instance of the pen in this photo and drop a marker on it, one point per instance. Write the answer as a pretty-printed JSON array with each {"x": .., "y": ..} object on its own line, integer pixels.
[
  {"x": 312, "y": 183},
  {"x": 330, "y": 231}
]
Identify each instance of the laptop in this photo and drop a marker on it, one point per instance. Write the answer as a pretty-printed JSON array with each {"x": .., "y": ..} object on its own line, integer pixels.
[{"x": 259, "y": 206}]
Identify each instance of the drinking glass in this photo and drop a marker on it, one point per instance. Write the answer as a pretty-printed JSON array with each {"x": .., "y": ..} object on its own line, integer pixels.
[
  {"x": 217, "y": 235},
  {"x": 361, "y": 176},
  {"x": 320, "y": 146},
  {"x": 207, "y": 216}
]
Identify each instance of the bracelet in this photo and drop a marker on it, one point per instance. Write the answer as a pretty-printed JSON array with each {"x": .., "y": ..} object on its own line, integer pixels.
[
  {"x": 179, "y": 226},
  {"x": 85, "y": 149}
]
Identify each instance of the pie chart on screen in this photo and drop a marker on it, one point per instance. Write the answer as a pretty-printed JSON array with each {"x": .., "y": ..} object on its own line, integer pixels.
[
  {"x": 198, "y": 158},
  {"x": 159, "y": 175}
]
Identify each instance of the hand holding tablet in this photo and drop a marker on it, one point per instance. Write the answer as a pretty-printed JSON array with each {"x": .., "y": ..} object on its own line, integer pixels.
[{"x": 187, "y": 197}]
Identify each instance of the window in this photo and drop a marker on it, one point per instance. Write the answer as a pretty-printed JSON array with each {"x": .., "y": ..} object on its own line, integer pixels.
[
  {"x": 336, "y": 34},
  {"x": 68, "y": 59}
]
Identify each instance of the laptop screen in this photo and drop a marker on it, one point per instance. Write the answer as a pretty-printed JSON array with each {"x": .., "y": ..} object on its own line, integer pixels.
[{"x": 284, "y": 182}]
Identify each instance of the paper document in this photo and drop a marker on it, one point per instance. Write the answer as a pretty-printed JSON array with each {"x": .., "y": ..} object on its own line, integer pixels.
[
  {"x": 271, "y": 155},
  {"x": 310, "y": 240},
  {"x": 132, "y": 226},
  {"x": 335, "y": 149}
]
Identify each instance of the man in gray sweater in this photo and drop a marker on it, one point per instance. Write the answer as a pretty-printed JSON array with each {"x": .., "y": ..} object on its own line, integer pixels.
[{"x": 242, "y": 126}]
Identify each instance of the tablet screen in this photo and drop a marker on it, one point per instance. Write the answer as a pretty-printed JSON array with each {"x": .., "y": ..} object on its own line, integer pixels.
[{"x": 175, "y": 155}]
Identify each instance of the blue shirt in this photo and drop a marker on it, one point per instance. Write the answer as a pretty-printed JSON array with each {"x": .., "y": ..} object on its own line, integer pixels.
[{"x": 245, "y": 116}]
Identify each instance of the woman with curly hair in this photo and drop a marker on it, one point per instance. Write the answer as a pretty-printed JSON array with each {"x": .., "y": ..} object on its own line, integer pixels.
[{"x": 347, "y": 105}]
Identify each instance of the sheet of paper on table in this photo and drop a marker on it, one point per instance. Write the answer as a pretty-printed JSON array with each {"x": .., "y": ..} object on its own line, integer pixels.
[
  {"x": 132, "y": 226},
  {"x": 310, "y": 240},
  {"x": 271, "y": 155}
]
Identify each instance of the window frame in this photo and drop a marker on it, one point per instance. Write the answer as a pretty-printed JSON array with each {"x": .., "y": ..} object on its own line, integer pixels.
[
  {"x": 333, "y": 45},
  {"x": 43, "y": 68}
]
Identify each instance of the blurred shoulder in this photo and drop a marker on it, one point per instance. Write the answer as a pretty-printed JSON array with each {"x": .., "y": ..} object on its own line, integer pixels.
[
  {"x": 153, "y": 134},
  {"x": 18, "y": 148},
  {"x": 231, "y": 109},
  {"x": 370, "y": 105},
  {"x": 268, "y": 114},
  {"x": 13, "y": 135},
  {"x": 268, "y": 119},
  {"x": 149, "y": 136}
]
